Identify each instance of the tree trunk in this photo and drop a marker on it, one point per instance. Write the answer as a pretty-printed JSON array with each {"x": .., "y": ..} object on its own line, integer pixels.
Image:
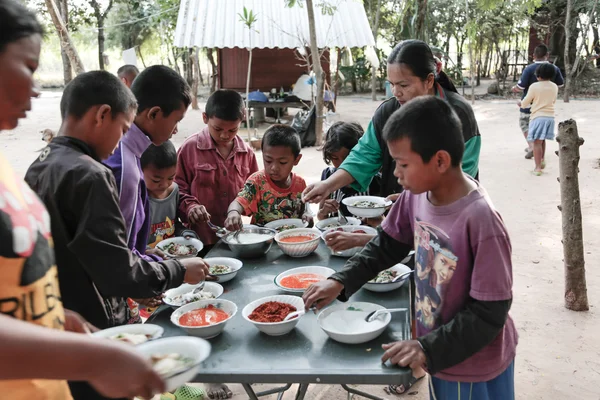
[
  {"x": 422, "y": 12},
  {"x": 336, "y": 84},
  {"x": 572, "y": 233},
  {"x": 486, "y": 65},
  {"x": 67, "y": 70},
  {"x": 139, "y": 51},
  {"x": 214, "y": 75},
  {"x": 100, "y": 22},
  {"x": 65, "y": 40},
  {"x": 195, "y": 73},
  {"x": 568, "y": 30},
  {"x": 316, "y": 61},
  {"x": 198, "y": 52},
  {"x": 373, "y": 69},
  {"x": 248, "y": 93}
]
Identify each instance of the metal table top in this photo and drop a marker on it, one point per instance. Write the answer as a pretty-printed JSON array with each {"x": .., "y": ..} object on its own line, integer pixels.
[{"x": 242, "y": 354}]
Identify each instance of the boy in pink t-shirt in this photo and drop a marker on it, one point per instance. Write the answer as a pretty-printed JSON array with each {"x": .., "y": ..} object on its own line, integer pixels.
[
  {"x": 275, "y": 192},
  {"x": 466, "y": 339}
]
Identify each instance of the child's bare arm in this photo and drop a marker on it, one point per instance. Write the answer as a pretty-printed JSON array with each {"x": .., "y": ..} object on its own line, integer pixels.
[{"x": 234, "y": 216}]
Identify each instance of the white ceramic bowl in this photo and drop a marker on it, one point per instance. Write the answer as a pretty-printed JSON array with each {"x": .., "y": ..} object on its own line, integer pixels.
[
  {"x": 388, "y": 287},
  {"x": 183, "y": 241},
  {"x": 210, "y": 331},
  {"x": 232, "y": 263},
  {"x": 323, "y": 271},
  {"x": 212, "y": 287},
  {"x": 134, "y": 329},
  {"x": 274, "y": 328},
  {"x": 346, "y": 326},
  {"x": 296, "y": 222},
  {"x": 301, "y": 249},
  {"x": 348, "y": 252},
  {"x": 365, "y": 212},
  {"x": 196, "y": 349},
  {"x": 322, "y": 225}
]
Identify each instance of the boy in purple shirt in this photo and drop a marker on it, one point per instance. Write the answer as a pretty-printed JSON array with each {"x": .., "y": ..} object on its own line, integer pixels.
[
  {"x": 465, "y": 338},
  {"x": 163, "y": 98}
]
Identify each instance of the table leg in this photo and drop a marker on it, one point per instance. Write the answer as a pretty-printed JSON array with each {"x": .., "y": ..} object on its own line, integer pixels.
[
  {"x": 359, "y": 393},
  {"x": 301, "y": 391},
  {"x": 280, "y": 390},
  {"x": 249, "y": 391}
]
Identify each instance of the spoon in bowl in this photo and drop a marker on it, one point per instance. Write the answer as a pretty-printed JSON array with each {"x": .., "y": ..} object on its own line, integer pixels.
[{"x": 373, "y": 316}]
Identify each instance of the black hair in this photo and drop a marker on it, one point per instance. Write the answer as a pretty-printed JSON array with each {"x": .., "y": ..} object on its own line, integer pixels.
[
  {"x": 95, "y": 88},
  {"x": 225, "y": 104},
  {"x": 546, "y": 71},
  {"x": 160, "y": 86},
  {"x": 16, "y": 22},
  {"x": 540, "y": 51},
  {"x": 127, "y": 69},
  {"x": 417, "y": 56},
  {"x": 341, "y": 135},
  {"x": 282, "y": 135},
  {"x": 163, "y": 156},
  {"x": 431, "y": 126}
]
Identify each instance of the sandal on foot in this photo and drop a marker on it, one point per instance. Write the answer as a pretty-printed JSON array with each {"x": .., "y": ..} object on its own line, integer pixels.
[
  {"x": 537, "y": 173},
  {"x": 543, "y": 165},
  {"x": 186, "y": 392},
  {"x": 529, "y": 155},
  {"x": 401, "y": 389}
]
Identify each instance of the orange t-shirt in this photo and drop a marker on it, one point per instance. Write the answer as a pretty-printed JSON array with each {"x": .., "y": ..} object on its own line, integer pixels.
[{"x": 28, "y": 276}]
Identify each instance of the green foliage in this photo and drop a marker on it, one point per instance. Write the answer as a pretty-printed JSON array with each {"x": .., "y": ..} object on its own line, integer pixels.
[{"x": 248, "y": 18}]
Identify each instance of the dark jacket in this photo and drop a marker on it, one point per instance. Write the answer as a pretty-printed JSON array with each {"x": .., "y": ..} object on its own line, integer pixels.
[{"x": 96, "y": 270}]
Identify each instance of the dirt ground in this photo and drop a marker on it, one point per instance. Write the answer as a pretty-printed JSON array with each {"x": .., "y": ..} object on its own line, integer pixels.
[{"x": 558, "y": 350}]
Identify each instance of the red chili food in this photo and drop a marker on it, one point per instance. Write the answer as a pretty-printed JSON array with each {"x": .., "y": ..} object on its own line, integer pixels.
[
  {"x": 271, "y": 311},
  {"x": 203, "y": 316},
  {"x": 300, "y": 281},
  {"x": 296, "y": 239}
]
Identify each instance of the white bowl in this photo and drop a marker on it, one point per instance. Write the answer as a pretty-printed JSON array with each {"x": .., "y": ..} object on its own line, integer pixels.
[
  {"x": 301, "y": 249},
  {"x": 183, "y": 241},
  {"x": 232, "y": 263},
  {"x": 196, "y": 349},
  {"x": 210, "y": 331},
  {"x": 348, "y": 252},
  {"x": 297, "y": 223},
  {"x": 388, "y": 287},
  {"x": 364, "y": 212},
  {"x": 212, "y": 287},
  {"x": 322, "y": 225},
  {"x": 275, "y": 328},
  {"x": 347, "y": 326},
  {"x": 324, "y": 271},
  {"x": 154, "y": 331}
]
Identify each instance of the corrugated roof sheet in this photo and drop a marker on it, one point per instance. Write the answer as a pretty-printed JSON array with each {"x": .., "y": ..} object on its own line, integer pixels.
[{"x": 216, "y": 24}]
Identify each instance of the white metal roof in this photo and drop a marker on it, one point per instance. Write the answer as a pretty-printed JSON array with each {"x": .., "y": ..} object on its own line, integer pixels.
[{"x": 216, "y": 24}]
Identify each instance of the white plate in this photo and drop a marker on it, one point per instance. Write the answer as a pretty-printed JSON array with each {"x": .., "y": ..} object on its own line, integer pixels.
[
  {"x": 324, "y": 271},
  {"x": 232, "y": 263},
  {"x": 348, "y": 228},
  {"x": 298, "y": 223},
  {"x": 321, "y": 224},
  {"x": 195, "y": 348},
  {"x": 364, "y": 212},
  {"x": 133, "y": 329},
  {"x": 389, "y": 286},
  {"x": 274, "y": 328},
  {"x": 345, "y": 325},
  {"x": 183, "y": 241},
  {"x": 212, "y": 287}
]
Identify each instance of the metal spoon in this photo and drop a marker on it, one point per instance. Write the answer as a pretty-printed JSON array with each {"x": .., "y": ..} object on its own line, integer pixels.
[
  {"x": 342, "y": 220},
  {"x": 373, "y": 316},
  {"x": 402, "y": 276},
  {"x": 218, "y": 230}
]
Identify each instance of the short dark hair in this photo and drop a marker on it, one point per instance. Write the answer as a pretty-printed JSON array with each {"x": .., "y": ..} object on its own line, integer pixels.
[
  {"x": 540, "y": 51},
  {"x": 163, "y": 156},
  {"x": 127, "y": 69},
  {"x": 160, "y": 86},
  {"x": 95, "y": 88},
  {"x": 546, "y": 71},
  {"x": 225, "y": 104},
  {"x": 341, "y": 135},
  {"x": 431, "y": 125},
  {"x": 282, "y": 135},
  {"x": 16, "y": 22}
]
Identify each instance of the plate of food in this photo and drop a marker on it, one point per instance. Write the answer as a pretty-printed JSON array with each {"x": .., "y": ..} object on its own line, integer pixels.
[
  {"x": 180, "y": 247},
  {"x": 177, "y": 359},
  {"x": 223, "y": 268},
  {"x": 297, "y": 280},
  {"x": 362, "y": 229},
  {"x": 367, "y": 206},
  {"x": 267, "y": 314},
  {"x": 329, "y": 223},
  {"x": 383, "y": 281},
  {"x": 132, "y": 334},
  {"x": 184, "y": 294},
  {"x": 204, "y": 318},
  {"x": 298, "y": 242},
  {"x": 282, "y": 225}
]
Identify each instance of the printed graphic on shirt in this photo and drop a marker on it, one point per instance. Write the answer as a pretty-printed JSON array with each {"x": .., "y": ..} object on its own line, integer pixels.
[
  {"x": 435, "y": 264},
  {"x": 161, "y": 231}
]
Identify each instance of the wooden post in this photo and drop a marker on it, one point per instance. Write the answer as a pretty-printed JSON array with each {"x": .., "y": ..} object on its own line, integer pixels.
[{"x": 568, "y": 153}]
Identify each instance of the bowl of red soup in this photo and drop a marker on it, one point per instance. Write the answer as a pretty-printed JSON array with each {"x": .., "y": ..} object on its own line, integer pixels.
[
  {"x": 297, "y": 280},
  {"x": 298, "y": 242},
  {"x": 267, "y": 314},
  {"x": 204, "y": 318}
]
